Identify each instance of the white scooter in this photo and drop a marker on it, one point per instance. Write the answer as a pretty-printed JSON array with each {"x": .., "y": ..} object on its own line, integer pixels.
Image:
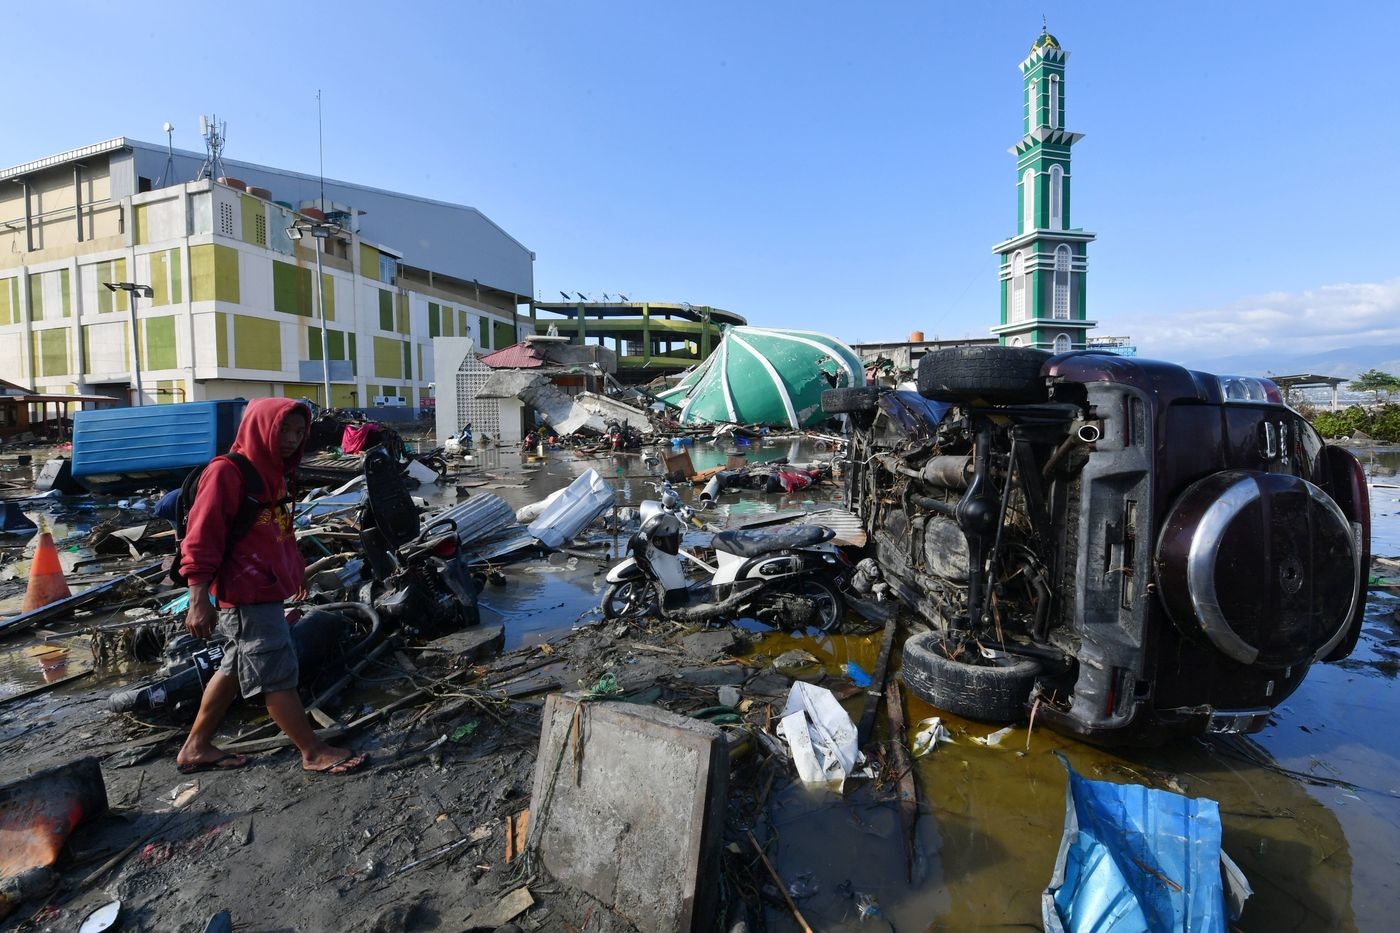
[{"x": 789, "y": 577}]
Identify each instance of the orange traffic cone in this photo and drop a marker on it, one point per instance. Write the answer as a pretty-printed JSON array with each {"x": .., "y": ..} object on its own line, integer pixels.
[{"x": 46, "y": 583}]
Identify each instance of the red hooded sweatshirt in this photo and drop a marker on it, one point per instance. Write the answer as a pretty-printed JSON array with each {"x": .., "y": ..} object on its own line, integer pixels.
[{"x": 265, "y": 566}]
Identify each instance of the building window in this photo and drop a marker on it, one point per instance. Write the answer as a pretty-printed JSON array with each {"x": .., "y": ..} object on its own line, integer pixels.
[
  {"x": 388, "y": 269},
  {"x": 1028, "y": 201},
  {"x": 1054, "y": 102},
  {"x": 1057, "y": 197},
  {"x": 1062, "y": 260},
  {"x": 1034, "y": 103},
  {"x": 1015, "y": 342},
  {"x": 1062, "y": 343},
  {"x": 1018, "y": 287},
  {"x": 201, "y": 220}
]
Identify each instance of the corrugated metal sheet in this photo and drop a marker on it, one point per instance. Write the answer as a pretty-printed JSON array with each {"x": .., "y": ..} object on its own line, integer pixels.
[{"x": 478, "y": 518}]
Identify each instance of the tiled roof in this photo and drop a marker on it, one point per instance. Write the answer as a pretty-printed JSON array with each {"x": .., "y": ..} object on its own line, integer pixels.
[{"x": 515, "y": 356}]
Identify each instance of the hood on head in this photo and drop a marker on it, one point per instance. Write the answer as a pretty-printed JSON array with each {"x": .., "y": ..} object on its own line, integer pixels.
[{"x": 258, "y": 432}]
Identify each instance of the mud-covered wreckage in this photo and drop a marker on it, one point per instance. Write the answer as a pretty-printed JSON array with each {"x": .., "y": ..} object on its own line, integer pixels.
[{"x": 476, "y": 610}]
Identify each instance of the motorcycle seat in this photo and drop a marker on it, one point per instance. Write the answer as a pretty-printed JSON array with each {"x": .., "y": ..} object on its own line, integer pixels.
[{"x": 754, "y": 542}]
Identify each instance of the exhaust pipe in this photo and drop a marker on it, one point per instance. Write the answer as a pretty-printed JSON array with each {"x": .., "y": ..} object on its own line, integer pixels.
[{"x": 950, "y": 472}]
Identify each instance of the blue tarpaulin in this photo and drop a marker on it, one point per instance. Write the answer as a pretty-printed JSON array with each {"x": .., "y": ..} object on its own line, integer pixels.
[{"x": 1134, "y": 859}]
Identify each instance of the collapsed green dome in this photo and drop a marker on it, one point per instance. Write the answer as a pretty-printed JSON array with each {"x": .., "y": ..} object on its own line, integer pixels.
[{"x": 763, "y": 375}]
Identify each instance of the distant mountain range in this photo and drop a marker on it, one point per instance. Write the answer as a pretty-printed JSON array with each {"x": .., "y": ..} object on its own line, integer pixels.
[{"x": 1346, "y": 362}]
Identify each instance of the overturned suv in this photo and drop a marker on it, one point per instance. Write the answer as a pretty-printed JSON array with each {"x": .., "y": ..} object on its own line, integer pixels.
[{"x": 1129, "y": 549}]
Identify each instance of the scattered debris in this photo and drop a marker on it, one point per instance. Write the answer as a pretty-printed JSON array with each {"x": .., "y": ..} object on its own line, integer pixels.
[
  {"x": 101, "y": 918},
  {"x": 820, "y": 736}
]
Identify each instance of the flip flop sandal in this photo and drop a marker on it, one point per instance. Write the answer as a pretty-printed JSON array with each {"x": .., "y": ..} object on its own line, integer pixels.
[
  {"x": 197, "y": 767},
  {"x": 330, "y": 769}
]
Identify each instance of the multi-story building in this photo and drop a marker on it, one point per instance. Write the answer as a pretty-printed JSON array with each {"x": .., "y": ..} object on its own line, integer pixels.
[
  {"x": 1043, "y": 266},
  {"x": 898, "y": 360},
  {"x": 650, "y": 338},
  {"x": 232, "y": 308}
]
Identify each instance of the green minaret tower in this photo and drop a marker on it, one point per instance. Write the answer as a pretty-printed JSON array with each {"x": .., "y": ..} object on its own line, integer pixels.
[{"x": 1042, "y": 266}]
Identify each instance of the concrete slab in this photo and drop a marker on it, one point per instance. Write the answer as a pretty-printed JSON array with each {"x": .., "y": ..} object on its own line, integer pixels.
[
  {"x": 711, "y": 645},
  {"x": 631, "y": 808},
  {"x": 480, "y": 641}
]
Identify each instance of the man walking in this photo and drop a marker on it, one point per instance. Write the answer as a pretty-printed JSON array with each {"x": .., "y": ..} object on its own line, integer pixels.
[{"x": 250, "y": 578}]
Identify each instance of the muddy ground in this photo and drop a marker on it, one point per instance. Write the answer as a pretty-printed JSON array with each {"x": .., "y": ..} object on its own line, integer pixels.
[{"x": 1311, "y": 806}]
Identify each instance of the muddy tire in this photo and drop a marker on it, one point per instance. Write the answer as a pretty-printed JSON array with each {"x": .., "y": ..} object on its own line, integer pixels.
[
  {"x": 992, "y": 690},
  {"x": 630, "y": 599},
  {"x": 998, "y": 375},
  {"x": 851, "y": 400},
  {"x": 858, "y": 403}
]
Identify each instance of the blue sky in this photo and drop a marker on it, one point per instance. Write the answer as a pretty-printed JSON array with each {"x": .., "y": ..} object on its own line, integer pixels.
[{"x": 838, "y": 166}]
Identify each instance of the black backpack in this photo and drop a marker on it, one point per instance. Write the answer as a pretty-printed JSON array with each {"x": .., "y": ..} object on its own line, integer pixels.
[{"x": 247, "y": 514}]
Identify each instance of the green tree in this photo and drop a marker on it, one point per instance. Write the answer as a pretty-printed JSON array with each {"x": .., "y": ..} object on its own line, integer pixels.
[{"x": 1379, "y": 383}]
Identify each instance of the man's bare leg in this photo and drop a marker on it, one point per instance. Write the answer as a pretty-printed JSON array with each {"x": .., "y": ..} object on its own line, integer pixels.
[
  {"x": 316, "y": 755},
  {"x": 199, "y": 747}
]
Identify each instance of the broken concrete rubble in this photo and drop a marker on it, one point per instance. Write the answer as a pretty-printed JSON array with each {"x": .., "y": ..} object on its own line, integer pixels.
[{"x": 585, "y": 412}]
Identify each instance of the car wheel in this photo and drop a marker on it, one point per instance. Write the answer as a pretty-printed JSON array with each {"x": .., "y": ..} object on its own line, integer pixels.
[
  {"x": 850, "y": 400},
  {"x": 999, "y": 375},
  {"x": 859, "y": 403},
  {"x": 994, "y": 689},
  {"x": 630, "y": 599},
  {"x": 1264, "y": 566}
]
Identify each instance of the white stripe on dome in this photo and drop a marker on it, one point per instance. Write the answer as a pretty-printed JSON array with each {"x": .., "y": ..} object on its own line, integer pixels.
[
  {"x": 777, "y": 381},
  {"x": 707, "y": 374},
  {"x": 724, "y": 380}
]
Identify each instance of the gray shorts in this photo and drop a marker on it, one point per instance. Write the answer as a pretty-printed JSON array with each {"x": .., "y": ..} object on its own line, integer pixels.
[{"x": 261, "y": 657}]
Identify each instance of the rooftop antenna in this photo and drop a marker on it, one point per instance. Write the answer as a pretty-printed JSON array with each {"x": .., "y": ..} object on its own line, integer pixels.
[
  {"x": 213, "y": 130},
  {"x": 168, "y": 173}
]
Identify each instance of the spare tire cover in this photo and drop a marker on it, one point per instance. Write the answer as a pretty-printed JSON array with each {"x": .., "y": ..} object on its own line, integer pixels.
[{"x": 1264, "y": 565}]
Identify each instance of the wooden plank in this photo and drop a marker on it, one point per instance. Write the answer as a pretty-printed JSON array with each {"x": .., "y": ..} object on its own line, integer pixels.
[
  {"x": 907, "y": 791},
  {"x": 877, "y": 678}
]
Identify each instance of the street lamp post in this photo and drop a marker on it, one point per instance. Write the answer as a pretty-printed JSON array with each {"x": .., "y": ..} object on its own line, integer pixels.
[
  {"x": 320, "y": 231},
  {"x": 133, "y": 290}
]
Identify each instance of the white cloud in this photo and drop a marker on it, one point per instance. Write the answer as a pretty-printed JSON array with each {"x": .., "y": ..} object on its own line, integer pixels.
[{"x": 1318, "y": 320}]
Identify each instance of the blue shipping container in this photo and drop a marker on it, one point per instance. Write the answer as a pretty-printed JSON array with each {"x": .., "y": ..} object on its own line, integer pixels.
[{"x": 125, "y": 449}]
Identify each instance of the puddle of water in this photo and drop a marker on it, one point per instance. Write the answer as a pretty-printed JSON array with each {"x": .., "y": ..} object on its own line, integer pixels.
[
  {"x": 25, "y": 667},
  {"x": 1381, "y": 463},
  {"x": 993, "y": 817}
]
